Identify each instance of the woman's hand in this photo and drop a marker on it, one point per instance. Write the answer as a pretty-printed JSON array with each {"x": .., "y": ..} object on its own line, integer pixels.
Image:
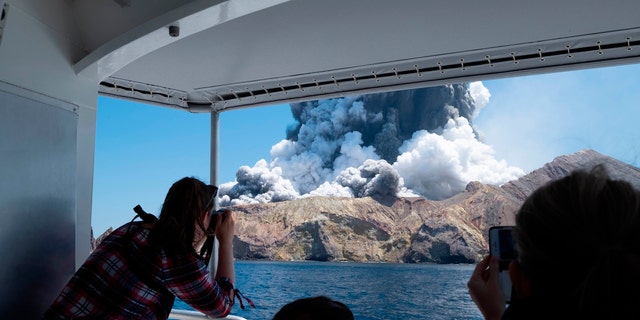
[
  {"x": 484, "y": 289},
  {"x": 225, "y": 228}
]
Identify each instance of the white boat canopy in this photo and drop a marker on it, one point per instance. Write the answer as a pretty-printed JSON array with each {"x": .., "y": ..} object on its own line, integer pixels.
[{"x": 225, "y": 54}]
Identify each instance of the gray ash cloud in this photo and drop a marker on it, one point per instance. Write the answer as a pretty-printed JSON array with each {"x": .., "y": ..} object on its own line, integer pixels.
[{"x": 411, "y": 142}]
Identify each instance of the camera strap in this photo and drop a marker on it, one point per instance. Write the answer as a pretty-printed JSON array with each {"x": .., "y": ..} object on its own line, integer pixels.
[{"x": 144, "y": 216}]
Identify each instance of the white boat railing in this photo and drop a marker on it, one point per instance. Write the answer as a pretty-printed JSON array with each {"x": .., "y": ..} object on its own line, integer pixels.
[{"x": 195, "y": 315}]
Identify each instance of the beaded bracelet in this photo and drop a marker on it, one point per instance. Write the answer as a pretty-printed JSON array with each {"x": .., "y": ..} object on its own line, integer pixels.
[{"x": 226, "y": 284}]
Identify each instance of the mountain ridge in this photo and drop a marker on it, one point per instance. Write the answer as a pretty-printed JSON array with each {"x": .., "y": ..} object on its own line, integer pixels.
[{"x": 399, "y": 230}]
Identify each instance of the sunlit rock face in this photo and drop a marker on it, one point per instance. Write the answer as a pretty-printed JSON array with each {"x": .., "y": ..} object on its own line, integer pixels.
[
  {"x": 409, "y": 230},
  {"x": 398, "y": 229}
]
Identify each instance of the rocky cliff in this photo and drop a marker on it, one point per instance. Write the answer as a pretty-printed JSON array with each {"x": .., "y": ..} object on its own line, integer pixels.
[
  {"x": 408, "y": 230},
  {"x": 368, "y": 229}
]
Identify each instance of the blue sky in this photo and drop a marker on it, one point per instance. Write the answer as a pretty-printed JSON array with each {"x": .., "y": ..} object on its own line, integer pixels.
[{"x": 141, "y": 150}]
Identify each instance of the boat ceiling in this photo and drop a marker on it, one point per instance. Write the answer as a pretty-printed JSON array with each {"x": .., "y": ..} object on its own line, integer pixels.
[{"x": 240, "y": 53}]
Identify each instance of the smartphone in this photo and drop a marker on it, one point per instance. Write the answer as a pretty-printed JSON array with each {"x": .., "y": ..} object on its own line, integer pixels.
[{"x": 503, "y": 246}]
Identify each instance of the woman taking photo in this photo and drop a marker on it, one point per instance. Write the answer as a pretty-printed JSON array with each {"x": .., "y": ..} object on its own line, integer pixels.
[{"x": 137, "y": 271}]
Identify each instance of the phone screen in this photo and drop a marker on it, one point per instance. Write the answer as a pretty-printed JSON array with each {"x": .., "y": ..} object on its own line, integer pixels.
[{"x": 502, "y": 245}]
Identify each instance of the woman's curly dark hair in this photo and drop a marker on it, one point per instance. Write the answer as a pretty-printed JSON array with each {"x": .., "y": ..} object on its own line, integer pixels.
[{"x": 187, "y": 201}]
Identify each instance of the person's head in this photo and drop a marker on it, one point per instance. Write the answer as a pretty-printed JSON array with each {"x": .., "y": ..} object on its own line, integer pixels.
[
  {"x": 578, "y": 241},
  {"x": 314, "y": 308},
  {"x": 185, "y": 213}
]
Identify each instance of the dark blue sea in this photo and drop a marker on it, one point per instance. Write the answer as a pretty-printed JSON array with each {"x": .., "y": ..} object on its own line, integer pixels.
[{"x": 373, "y": 291}]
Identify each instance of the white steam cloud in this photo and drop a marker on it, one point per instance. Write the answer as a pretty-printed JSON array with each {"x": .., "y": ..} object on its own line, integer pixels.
[{"x": 407, "y": 143}]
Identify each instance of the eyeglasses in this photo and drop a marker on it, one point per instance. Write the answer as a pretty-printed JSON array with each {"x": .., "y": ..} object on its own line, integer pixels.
[
  {"x": 213, "y": 189},
  {"x": 214, "y": 192}
]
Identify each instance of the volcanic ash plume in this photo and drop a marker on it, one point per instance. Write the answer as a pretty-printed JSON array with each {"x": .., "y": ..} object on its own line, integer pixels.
[{"x": 405, "y": 143}]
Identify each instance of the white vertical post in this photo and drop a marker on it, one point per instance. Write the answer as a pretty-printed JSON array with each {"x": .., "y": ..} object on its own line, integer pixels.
[{"x": 213, "y": 178}]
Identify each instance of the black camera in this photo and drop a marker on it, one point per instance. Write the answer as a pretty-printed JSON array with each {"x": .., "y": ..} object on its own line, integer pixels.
[
  {"x": 219, "y": 212},
  {"x": 215, "y": 215}
]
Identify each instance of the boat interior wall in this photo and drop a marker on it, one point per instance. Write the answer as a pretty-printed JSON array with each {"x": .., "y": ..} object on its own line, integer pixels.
[
  {"x": 37, "y": 200},
  {"x": 47, "y": 121},
  {"x": 35, "y": 55}
]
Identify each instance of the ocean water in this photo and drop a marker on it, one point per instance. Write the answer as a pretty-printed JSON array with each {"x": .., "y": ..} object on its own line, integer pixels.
[{"x": 373, "y": 291}]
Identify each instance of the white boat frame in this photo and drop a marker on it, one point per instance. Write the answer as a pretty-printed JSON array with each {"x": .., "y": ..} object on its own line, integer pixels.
[{"x": 209, "y": 56}]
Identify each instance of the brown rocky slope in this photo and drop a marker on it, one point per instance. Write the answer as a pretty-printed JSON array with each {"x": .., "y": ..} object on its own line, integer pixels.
[
  {"x": 405, "y": 230},
  {"x": 410, "y": 230}
]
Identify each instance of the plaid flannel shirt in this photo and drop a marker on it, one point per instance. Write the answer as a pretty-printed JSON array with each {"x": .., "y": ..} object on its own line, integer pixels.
[{"x": 109, "y": 286}]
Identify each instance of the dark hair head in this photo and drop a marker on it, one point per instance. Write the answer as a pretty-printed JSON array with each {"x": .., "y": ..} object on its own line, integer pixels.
[
  {"x": 185, "y": 205},
  {"x": 578, "y": 239},
  {"x": 314, "y": 308}
]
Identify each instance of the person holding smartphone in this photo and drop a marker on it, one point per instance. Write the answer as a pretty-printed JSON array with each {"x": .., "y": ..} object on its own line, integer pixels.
[
  {"x": 502, "y": 245},
  {"x": 578, "y": 254}
]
